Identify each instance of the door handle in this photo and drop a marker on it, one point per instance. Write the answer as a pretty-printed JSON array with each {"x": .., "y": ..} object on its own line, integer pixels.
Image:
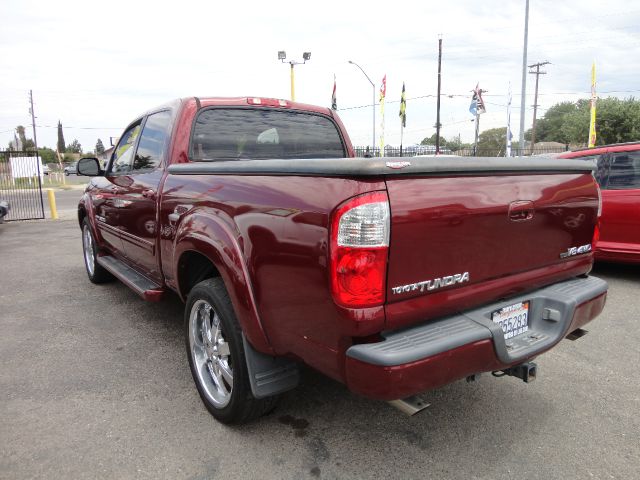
[
  {"x": 521, "y": 210},
  {"x": 148, "y": 193}
]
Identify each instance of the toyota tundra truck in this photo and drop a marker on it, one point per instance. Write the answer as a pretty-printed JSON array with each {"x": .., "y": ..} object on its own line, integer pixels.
[{"x": 392, "y": 275}]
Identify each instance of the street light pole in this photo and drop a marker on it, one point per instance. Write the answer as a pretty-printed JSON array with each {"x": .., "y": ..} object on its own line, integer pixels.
[
  {"x": 373, "y": 105},
  {"x": 282, "y": 55},
  {"x": 524, "y": 77}
]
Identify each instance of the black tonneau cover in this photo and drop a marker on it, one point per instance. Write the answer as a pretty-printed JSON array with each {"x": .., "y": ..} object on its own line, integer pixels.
[{"x": 339, "y": 167}]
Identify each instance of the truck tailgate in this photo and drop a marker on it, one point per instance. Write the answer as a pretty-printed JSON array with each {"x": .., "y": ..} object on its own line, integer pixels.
[{"x": 454, "y": 235}]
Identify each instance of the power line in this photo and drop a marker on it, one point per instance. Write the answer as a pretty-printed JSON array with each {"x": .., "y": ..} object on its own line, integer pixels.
[{"x": 81, "y": 128}]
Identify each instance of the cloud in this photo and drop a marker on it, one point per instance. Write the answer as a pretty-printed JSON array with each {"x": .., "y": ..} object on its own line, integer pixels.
[{"x": 97, "y": 71}]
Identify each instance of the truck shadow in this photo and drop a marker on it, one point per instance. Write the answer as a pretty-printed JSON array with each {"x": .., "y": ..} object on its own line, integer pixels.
[
  {"x": 618, "y": 270},
  {"x": 334, "y": 431}
]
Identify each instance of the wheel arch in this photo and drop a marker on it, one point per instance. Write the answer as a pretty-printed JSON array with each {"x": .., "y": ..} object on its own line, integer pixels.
[{"x": 199, "y": 256}]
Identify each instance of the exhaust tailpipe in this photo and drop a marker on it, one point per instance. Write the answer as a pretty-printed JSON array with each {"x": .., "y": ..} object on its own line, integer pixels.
[{"x": 410, "y": 405}]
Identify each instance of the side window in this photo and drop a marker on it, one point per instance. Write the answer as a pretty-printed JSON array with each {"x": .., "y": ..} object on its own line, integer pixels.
[
  {"x": 124, "y": 151},
  {"x": 602, "y": 162},
  {"x": 153, "y": 141},
  {"x": 602, "y": 166},
  {"x": 624, "y": 172}
]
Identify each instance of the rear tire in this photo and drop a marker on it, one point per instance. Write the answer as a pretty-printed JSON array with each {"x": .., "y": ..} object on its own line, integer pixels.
[
  {"x": 95, "y": 272},
  {"x": 216, "y": 356}
]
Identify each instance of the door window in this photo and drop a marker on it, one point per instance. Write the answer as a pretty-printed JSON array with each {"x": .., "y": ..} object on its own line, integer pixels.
[
  {"x": 624, "y": 172},
  {"x": 153, "y": 142},
  {"x": 124, "y": 151}
]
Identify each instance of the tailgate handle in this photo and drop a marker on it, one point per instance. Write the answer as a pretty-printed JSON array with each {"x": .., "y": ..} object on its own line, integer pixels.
[{"x": 521, "y": 210}]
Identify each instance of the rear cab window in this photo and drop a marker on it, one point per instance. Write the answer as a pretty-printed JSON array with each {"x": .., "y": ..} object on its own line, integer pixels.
[{"x": 256, "y": 134}]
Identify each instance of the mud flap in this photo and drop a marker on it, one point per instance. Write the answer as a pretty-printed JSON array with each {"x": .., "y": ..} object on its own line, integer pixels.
[{"x": 269, "y": 375}]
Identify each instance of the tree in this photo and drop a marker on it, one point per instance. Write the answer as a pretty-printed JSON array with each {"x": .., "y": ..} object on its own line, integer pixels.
[
  {"x": 99, "y": 147},
  {"x": 568, "y": 122},
  {"x": 492, "y": 142},
  {"x": 618, "y": 120},
  {"x": 23, "y": 143},
  {"x": 432, "y": 140},
  {"x": 456, "y": 144},
  {"x": 47, "y": 155},
  {"x": 61, "y": 144},
  {"x": 22, "y": 137},
  {"x": 453, "y": 144},
  {"x": 549, "y": 128},
  {"x": 74, "y": 147}
]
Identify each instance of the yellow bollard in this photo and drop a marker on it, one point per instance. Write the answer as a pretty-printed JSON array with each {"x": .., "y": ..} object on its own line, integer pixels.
[{"x": 52, "y": 203}]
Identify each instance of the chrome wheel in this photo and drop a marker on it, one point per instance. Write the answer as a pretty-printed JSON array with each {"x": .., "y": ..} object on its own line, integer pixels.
[
  {"x": 210, "y": 354},
  {"x": 89, "y": 255}
]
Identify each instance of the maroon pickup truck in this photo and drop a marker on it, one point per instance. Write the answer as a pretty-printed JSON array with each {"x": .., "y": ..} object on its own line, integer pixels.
[{"x": 391, "y": 275}]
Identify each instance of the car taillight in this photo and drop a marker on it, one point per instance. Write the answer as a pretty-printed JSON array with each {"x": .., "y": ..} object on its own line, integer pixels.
[
  {"x": 596, "y": 230},
  {"x": 359, "y": 250}
]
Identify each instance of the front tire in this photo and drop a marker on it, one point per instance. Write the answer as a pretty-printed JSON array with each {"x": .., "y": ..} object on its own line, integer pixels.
[
  {"x": 216, "y": 356},
  {"x": 95, "y": 272}
]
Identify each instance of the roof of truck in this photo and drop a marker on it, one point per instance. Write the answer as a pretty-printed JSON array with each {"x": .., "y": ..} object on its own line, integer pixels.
[{"x": 260, "y": 101}]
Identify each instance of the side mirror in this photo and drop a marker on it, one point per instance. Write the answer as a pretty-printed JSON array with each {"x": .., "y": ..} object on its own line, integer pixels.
[{"x": 89, "y": 166}]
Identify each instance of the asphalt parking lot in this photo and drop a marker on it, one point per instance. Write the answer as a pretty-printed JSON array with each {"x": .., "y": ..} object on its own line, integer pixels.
[{"x": 95, "y": 383}]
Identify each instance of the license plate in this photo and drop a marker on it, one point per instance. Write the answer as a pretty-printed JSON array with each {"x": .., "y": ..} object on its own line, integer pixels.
[{"x": 513, "y": 319}]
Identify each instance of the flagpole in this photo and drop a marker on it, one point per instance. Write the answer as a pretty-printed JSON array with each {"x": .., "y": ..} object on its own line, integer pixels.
[
  {"x": 438, "y": 102},
  {"x": 592, "y": 122},
  {"x": 475, "y": 143},
  {"x": 508, "y": 146},
  {"x": 403, "y": 115}
]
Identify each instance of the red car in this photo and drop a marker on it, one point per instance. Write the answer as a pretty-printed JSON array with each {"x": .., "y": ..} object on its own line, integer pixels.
[{"x": 618, "y": 174}]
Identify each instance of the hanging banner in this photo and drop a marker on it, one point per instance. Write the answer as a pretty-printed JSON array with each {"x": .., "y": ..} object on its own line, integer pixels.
[
  {"x": 403, "y": 108},
  {"x": 477, "y": 104},
  {"x": 592, "y": 123}
]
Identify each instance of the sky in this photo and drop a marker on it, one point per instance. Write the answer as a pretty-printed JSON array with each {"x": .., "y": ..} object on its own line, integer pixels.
[{"x": 96, "y": 66}]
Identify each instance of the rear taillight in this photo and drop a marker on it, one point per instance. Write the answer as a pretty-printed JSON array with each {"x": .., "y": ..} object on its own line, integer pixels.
[
  {"x": 596, "y": 230},
  {"x": 596, "y": 236},
  {"x": 359, "y": 250}
]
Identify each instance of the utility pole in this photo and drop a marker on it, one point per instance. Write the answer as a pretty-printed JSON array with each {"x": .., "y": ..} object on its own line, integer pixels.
[
  {"x": 524, "y": 76},
  {"x": 33, "y": 121},
  {"x": 439, "y": 84},
  {"x": 35, "y": 144},
  {"x": 537, "y": 73}
]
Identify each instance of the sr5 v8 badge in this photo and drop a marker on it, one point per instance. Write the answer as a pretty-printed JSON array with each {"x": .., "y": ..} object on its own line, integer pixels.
[{"x": 576, "y": 251}]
